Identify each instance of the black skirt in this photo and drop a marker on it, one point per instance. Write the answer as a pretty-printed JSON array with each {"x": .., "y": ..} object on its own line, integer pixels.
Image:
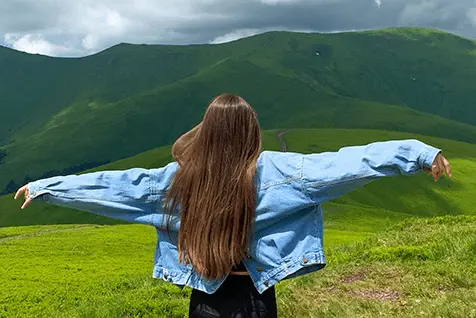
[{"x": 237, "y": 297}]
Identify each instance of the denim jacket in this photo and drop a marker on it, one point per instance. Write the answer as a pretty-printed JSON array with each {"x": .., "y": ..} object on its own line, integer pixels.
[{"x": 288, "y": 231}]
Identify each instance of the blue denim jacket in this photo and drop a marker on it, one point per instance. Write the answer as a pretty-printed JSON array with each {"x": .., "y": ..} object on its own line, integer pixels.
[{"x": 288, "y": 235}]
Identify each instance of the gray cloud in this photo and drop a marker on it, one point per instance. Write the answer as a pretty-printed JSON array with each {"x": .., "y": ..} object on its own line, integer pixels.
[{"x": 81, "y": 27}]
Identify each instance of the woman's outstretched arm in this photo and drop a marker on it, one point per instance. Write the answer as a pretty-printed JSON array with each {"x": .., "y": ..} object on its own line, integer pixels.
[
  {"x": 132, "y": 195},
  {"x": 327, "y": 176}
]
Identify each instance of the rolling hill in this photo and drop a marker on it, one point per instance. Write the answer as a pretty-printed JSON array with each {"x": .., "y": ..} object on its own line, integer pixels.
[
  {"x": 378, "y": 267},
  {"x": 399, "y": 247},
  {"x": 380, "y": 203},
  {"x": 419, "y": 268},
  {"x": 73, "y": 114}
]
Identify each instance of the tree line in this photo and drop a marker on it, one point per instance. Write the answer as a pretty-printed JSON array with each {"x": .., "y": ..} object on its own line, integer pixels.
[{"x": 13, "y": 185}]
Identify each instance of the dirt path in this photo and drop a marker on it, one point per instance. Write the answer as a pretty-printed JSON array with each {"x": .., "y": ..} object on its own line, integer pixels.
[{"x": 282, "y": 142}]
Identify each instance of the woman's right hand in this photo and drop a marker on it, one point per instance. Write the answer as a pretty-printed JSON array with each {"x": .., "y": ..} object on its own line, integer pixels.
[
  {"x": 26, "y": 191},
  {"x": 439, "y": 166}
]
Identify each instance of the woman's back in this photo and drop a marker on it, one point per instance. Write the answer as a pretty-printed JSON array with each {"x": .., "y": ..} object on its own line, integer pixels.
[{"x": 224, "y": 202}]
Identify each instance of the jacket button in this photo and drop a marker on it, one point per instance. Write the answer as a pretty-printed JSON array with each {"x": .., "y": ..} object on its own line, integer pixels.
[
  {"x": 306, "y": 260},
  {"x": 259, "y": 269},
  {"x": 266, "y": 283}
]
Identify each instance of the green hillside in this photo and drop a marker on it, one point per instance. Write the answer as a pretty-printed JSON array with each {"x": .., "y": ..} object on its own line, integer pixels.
[
  {"x": 131, "y": 98},
  {"x": 399, "y": 247},
  {"x": 417, "y": 195},
  {"x": 381, "y": 203},
  {"x": 419, "y": 269}
]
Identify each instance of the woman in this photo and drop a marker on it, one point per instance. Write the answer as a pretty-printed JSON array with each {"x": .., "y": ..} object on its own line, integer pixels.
[{"x": 232, "y": 221}]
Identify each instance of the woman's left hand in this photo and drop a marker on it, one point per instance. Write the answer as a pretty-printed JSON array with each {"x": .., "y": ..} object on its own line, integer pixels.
[{"x": 24, "y": 190}]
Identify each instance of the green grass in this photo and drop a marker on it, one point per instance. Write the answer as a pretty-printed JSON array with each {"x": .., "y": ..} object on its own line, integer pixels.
[
  {"x": 85, "y": 269},
  {"x": 117, "y": 105},
  {"x": 11, "y": 215},
  {"x": 132, "y": 98},
  {"x": 420, "y": 268},
  {"x": 54, "y": 269},
  {"x": 382, "y": 202},
  {"x": 416, "y": 195}
]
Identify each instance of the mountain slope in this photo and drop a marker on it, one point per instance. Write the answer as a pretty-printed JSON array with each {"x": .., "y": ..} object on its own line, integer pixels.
[
  {"x": 416, "y": 195},
  {"x": 78, "y": 113},
  {"x": 33, "y": 88},
  {"x": 374, "y": 207},
  {"x": 99, "y": 132},
  {"x": 427, "y": 70}
]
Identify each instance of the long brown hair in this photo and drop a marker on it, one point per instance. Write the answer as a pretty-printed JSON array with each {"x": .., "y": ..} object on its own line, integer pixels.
[{"x": 214, "y": 189}]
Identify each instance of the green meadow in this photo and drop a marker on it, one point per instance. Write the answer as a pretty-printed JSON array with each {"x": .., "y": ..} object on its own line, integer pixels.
[{"x": 399, "y": 247}]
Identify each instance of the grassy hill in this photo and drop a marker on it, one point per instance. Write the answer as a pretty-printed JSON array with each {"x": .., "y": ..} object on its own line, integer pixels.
[
  {"x": 416, "y": 195},
  {"x": 132, "y": 98},
  {"x": 420, "y": 268},
  {"x": 380, "y": 204},
  {"x": 399, "y": 247}
]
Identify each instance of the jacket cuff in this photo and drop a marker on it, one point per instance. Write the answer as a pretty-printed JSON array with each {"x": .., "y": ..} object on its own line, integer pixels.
[
  {"x": 428, "y": 156},
  {"x": 35, "y": 191}
]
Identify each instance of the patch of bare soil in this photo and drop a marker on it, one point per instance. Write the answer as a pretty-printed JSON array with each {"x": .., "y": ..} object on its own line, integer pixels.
[
  {"x": 382, "y": 295},
  {"x": 352, "y": 278}
]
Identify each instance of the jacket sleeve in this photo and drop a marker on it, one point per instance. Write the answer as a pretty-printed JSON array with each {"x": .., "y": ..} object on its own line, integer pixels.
[
  {"x": 132, "y": 195},
  {"x": 327, "y": 176}
]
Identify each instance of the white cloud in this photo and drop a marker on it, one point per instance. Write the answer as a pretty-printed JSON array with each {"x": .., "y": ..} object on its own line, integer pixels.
[
  {"x": 276, "y": 2},
  {"x": 81, "y": 27},
  {"x": 87, "y": 26},
  {"x": 243, "y": 33},
  {"x": 34, "y": 43},
  {"x": 472, "y": 16},
  {"x": 90, "y": 42},
  {"x": 235, "y": 35}
]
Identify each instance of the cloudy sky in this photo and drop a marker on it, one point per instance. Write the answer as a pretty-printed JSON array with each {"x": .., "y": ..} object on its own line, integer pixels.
[{"x": 82, "y": 27}]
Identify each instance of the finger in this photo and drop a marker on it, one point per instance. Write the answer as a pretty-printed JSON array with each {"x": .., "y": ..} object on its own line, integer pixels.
[
  {"x": 26, "y": 203},
  {"x": 433, "y": 174},
  {"x": 441, "y": 164},
  {"x": 434, "y": 171},
  {"x": 435, "y": 160},
  {"x": 438, "y": 175},
  {"x": 443, "y": 169},
  {"x": 20, "y": 191},
  {"x": 447, "y": 166}
]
